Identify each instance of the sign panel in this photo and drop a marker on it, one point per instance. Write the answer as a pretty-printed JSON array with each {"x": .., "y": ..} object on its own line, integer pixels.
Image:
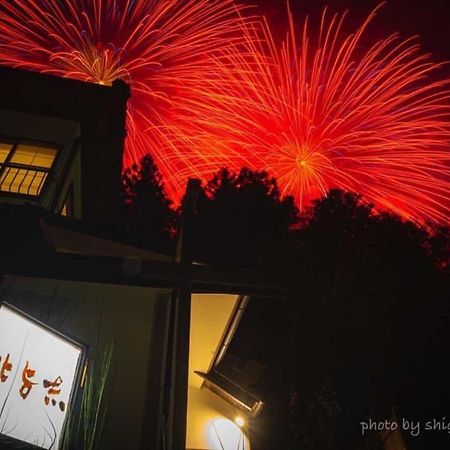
[{"x": 38, "y": 373}]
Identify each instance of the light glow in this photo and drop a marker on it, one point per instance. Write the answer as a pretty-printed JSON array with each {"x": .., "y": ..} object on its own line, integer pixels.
[
  {"x": 321, "y": 111},
  {"x": 211, "y": 89},
  {"x": 226, "y": 435},
  {"x": 159, "y": 47},
  {"x": 240, "y": 422},
  {"x": 38, "y": 371}
]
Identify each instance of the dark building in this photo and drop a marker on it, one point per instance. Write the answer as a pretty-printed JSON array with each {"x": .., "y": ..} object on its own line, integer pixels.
[
  {"x": 61, "y": 144},
  {"x": 150, "y": 326}
]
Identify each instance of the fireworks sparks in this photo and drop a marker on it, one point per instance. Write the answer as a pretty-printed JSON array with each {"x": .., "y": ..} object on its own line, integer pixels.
[
  {"x": 212, "y": 90},
  {"x": 322, "y": 113},
  {"x": 157, "y": 46}
]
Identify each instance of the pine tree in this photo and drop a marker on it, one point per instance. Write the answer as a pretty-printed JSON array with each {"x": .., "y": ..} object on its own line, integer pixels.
[{"x": 148, "y": 213}]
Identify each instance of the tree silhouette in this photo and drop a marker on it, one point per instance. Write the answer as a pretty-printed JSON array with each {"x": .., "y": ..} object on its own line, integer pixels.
[
  {"x": 364, "y": 324},
  {"x": 370, "y": 312},
  {"x": 147, "y": 211},
  {"x": 242, "y": 219},
  {"x": 365, "y": 327}
]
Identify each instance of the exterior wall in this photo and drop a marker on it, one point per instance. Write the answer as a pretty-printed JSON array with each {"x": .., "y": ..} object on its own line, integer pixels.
[
  {"x": 210, "y": 315},
  {"x": 132, "y": 320},
  {"x": 62, "y": 132},
  {"x": 211, "y": 423},
  {"x": 210, "y": 419}
]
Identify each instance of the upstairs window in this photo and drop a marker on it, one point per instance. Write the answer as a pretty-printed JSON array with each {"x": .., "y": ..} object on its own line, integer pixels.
[{"x": 24, "y": 166}]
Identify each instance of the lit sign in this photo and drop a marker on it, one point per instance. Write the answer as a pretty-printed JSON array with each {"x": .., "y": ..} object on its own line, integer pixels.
[
  {"x": 38, "y": 372},
  {"x": 227, "y": 435}
]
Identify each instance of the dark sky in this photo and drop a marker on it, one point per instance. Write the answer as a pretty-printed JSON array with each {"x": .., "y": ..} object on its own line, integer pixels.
[{"x": 428, "y": 18}]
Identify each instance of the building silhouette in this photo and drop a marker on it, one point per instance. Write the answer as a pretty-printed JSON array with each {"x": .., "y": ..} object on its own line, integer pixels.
[{"x": 162, "y": 322}]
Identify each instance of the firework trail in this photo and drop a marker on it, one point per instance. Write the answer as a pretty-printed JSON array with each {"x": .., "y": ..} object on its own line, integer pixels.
[
  {"x": 322, "y": 113},
  {"x": 158, "y": 46}
]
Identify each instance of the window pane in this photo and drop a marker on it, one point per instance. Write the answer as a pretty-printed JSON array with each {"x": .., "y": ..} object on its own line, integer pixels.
[
  {"x": 4, "y": 150},
  {"x": 33, "y": 155},
  {"x": 22, "y": 181}
]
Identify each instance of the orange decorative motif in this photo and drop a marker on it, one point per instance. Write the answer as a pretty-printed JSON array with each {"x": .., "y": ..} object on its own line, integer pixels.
[
  {"x": 53, "y": 389},
  {"x": 6, "y": 367},
  {"x": 26, "y": 383}
]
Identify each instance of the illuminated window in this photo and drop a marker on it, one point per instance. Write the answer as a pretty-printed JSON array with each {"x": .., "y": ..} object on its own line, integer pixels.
[{"x": 24, "y": 167}]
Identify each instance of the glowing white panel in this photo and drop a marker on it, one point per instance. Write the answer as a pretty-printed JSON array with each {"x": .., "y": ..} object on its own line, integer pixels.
[
  {"x": 226, "y": 435},
  {"x": 38, "y": 371}
]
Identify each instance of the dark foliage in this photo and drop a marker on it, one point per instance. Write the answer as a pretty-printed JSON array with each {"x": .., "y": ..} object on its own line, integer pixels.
[
  {"x": 365, "y": 328},
  {"x": 242, "y": 219},
  {"x": 147, "y": 212},
  {"x": 373, "y": 326},
  {"x": 367, "y": 315}
]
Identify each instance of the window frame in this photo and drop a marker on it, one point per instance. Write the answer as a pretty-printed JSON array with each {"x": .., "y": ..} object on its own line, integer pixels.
[
  {"x": 15, "y": 142},
  {"x": 76, "y": 395}
]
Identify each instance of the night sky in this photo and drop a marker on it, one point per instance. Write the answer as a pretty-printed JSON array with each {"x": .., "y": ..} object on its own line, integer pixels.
[{"x": 428, "y": 18}]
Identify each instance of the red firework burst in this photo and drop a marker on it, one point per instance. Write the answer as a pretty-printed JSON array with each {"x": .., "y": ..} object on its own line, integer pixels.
[
  {"x": 321, "y": 113},
  {"x": 158, "y": 46}
]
